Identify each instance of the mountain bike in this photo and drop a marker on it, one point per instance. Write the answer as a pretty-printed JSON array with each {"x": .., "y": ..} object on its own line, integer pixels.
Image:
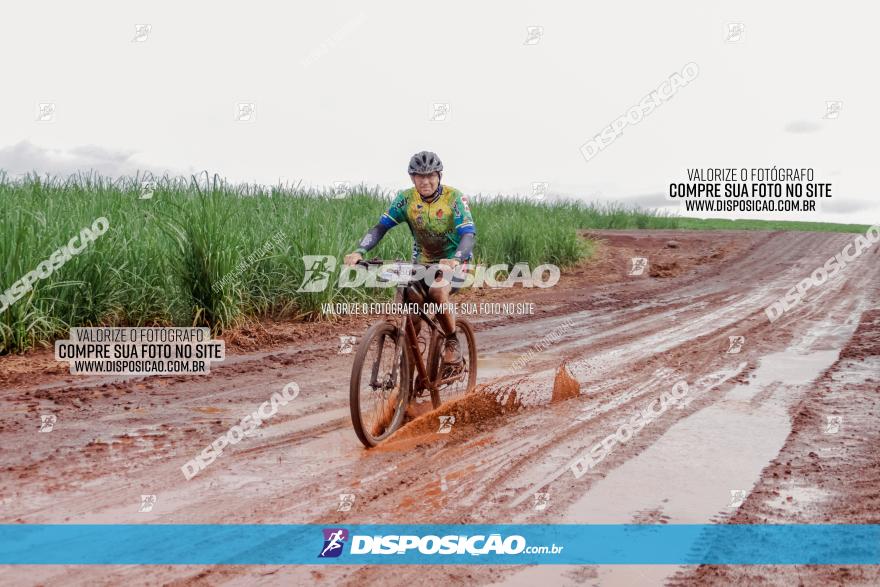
[{"x": 390, "y": 368}]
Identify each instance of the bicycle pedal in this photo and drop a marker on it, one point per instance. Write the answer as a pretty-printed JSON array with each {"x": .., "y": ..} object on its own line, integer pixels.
[{"x": 453, "y": 369}]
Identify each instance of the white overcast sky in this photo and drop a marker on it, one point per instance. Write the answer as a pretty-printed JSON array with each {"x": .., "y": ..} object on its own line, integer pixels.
[{"x": 343, "y": 91}]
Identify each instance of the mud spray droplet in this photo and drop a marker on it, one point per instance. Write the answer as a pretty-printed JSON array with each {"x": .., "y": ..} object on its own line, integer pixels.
[
  {"x": 564, "y": 385},
  {"x": 478, "y": 407},
  {"x": 484, "y": 404}
]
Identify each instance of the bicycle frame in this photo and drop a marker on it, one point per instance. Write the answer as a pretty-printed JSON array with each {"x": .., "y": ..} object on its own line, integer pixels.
[
  {"x": 412, "y": 337},
  {"x": 407, "y": 334},
  {"x": 408, "y": 331}
]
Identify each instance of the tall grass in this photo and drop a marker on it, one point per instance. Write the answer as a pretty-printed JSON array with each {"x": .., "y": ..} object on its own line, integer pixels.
[{"x": 160, "y": 259}]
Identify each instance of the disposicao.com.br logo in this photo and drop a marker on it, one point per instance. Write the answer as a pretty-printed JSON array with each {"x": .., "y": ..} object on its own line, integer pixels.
[
  {"x": 334, "y": 540},
  {"x": 431, "y": 544}
]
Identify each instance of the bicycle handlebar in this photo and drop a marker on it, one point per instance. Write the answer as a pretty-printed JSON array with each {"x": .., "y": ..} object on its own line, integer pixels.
[{"x": 379, "y": 263}]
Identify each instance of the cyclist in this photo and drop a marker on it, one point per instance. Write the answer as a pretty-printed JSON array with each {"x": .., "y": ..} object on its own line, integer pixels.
[{"x": 443, "y": 232}]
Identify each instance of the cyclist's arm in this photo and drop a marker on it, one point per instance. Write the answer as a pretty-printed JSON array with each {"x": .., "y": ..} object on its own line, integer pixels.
[
  {"x": 464, "y": 226},
  {"x": 465, "y": 246},
  {"x": 389, "y": 220},
  {"x": 372, "y": 238}
]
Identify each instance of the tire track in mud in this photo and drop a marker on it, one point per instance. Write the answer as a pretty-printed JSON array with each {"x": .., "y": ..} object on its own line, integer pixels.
[
  {"x": 828, "y": 471},
  {"x": 486, "y": 470}
]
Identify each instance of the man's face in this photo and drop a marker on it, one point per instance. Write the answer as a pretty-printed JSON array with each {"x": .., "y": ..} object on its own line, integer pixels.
[{"x": 426, "y": 184}]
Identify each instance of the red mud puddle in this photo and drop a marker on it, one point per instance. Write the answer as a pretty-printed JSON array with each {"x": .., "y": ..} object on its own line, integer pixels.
[
  {"x": 828, "y": 471},
  {"x": 701, "y": 468}
]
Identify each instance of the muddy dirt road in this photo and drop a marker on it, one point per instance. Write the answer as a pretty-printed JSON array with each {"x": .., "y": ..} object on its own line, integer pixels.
[{"x": 626, "y": 340}]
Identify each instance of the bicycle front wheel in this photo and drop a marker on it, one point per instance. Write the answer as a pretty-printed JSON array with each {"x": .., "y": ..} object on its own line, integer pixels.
[{"x": 380, "y": 382}]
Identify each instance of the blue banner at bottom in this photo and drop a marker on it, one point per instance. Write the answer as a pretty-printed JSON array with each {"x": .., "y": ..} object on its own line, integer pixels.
[{"x": 212, "y": 544}]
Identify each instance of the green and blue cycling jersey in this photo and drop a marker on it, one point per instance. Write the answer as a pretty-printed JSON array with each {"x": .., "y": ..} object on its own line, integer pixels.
[{"x": 442, "y": 226}]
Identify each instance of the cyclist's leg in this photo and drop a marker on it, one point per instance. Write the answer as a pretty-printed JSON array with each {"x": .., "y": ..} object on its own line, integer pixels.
[
  {"x": 446, "y": 318},
  {"x": 440, "y": 295},
  {"x": 414, "y": 297}
]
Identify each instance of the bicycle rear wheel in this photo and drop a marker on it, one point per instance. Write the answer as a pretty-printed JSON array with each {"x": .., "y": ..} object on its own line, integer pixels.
[
  {"x": 459, "y": 379},
  {"x": 379, "y": 387}
]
